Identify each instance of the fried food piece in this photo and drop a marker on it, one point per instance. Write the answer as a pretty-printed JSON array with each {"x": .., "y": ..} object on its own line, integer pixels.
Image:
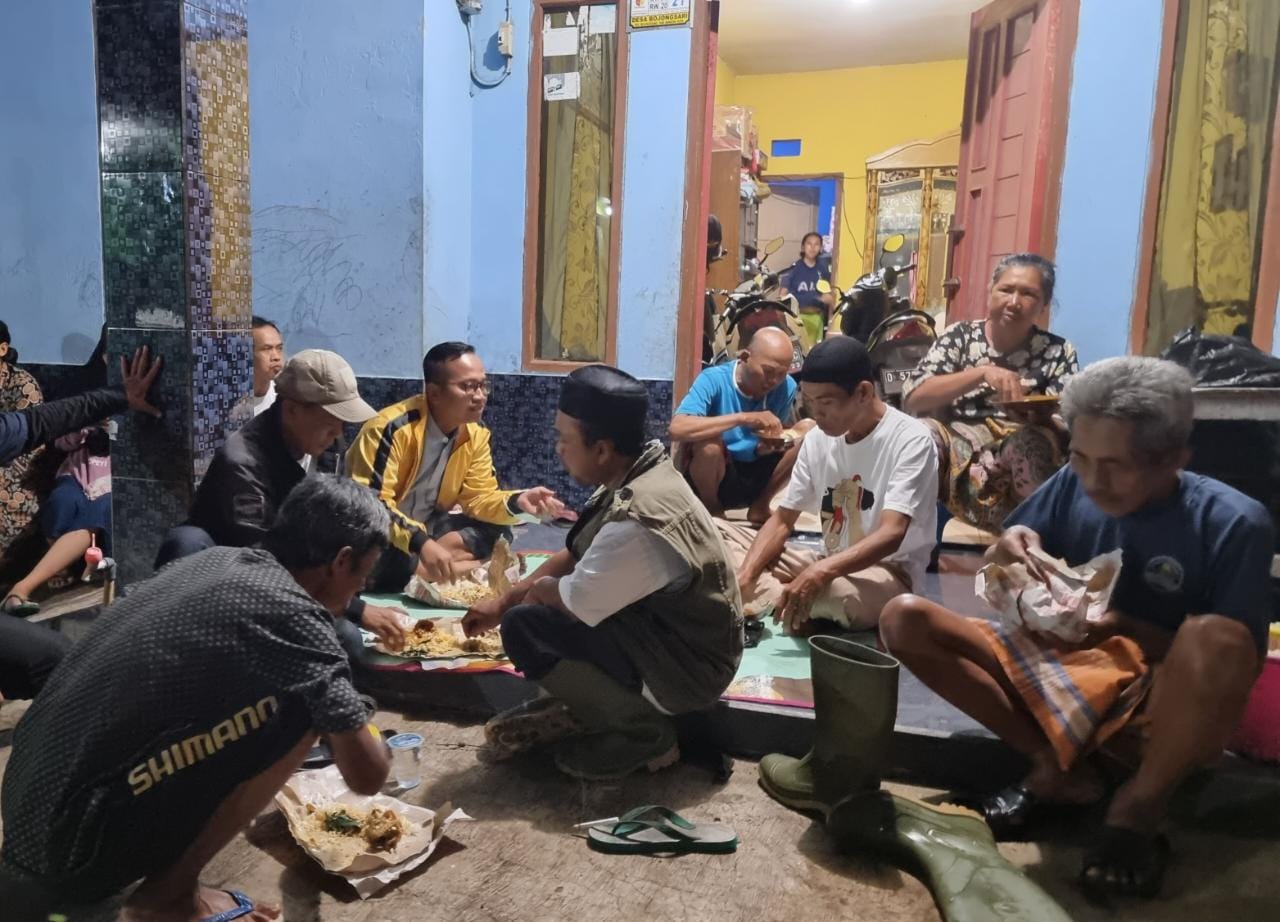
[
  {"x": 383, "y": 829},
  {"x": 488, "y": 642}
]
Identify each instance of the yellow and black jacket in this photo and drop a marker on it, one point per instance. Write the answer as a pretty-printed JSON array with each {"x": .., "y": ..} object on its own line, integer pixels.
[{"x": 388, "y": 451}]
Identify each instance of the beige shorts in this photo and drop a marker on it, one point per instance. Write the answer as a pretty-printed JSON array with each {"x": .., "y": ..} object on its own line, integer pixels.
[{"x": 853, "y": 601}]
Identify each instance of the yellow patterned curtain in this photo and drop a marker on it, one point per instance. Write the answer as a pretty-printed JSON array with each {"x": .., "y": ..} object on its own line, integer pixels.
[
  {"x": 577, "y": 210},
  {"x": 1211, "y": 201}
]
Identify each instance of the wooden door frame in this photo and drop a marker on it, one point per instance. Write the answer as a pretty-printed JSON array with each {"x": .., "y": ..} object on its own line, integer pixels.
[
  {"x": 1046, "y": 194},
  {"x": 1268, "y": 285},
  {"x": 839, "y": 206},
  {"x": 697, "y": 196},
  {"x": 533, "y": 198},
  {"x": 1051, "y": 130}
]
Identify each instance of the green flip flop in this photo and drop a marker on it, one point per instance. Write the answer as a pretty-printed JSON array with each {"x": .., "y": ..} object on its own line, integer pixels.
[
  {"x": 654, "y": 830},
  {"x": 22, "y": 609}
]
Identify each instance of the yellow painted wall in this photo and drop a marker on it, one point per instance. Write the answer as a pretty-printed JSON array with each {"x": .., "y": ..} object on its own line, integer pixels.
[
  {"x": 845, "y": 116},
  {"x": 726, "y": 83}
]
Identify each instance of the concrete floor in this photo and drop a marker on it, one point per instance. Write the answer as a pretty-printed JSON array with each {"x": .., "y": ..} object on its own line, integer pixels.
[{"x": 520, "y": 860}]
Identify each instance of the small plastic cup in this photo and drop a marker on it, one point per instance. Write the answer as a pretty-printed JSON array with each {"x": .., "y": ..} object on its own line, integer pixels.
[{"x": 406, "y": 759}]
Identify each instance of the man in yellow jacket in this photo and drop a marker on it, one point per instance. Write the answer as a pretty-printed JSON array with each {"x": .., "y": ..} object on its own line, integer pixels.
[{"x": 424, "y": 456}]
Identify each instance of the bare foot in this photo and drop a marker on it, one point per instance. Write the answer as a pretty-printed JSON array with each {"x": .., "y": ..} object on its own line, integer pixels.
[
  {"x": 206, "y": 902},
  {"x": 1130, "y": 810},
  {"x": 1050, "y": 784}
]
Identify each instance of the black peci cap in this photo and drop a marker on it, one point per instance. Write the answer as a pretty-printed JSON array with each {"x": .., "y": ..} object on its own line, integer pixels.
[
  {"x": 840, "y": 360},
  {"x": 608, "y": 399}
]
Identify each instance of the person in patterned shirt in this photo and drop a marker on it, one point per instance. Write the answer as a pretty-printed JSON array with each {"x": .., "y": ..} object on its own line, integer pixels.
[
  {"x": 20, "y": 480},
  {"x": 991, "y": 455},
  {"x": 185, "y": 708}
]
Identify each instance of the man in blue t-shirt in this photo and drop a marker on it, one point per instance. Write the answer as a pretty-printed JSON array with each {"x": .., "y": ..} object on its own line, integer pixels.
[
  {"x": 1193, "y": 598},
  {"x": 736, "y": 448}
]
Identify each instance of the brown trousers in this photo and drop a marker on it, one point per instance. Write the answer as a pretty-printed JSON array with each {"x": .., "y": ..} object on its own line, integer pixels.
[{"x": 853, "y": 601}]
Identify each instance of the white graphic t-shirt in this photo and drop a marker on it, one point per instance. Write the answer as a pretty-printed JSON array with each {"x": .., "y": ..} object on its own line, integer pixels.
[{"x": 848, "y": 485}]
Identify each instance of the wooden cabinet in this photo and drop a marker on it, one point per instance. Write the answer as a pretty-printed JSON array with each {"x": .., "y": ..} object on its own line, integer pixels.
[
  {"x": 737, "y": 218},
  {"x": 911, "y": 190}
]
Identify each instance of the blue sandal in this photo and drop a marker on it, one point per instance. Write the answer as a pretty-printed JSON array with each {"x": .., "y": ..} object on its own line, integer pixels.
[
  {"x": 653, "y": 830},
  {"x": 244, "y": 906}
]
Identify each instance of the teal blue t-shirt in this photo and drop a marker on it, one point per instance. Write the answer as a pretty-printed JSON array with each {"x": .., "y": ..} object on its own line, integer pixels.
[
  {"x": 1206, "y": 549},
  {"x": 715, "y": 393}
]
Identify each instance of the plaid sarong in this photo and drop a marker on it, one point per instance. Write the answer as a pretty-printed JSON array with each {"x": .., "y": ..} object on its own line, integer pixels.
[{"x": 1080, "y": 696}]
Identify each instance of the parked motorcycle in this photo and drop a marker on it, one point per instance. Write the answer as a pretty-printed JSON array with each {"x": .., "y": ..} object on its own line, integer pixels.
[
  {"x": 896, "y": 335},
  {"x": 756, "y": 303}
]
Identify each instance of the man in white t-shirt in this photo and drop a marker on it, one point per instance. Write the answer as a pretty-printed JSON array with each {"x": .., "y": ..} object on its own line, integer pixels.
[
  {"x": 268, "y": 362},
  {"x": 871, "y": 473}
]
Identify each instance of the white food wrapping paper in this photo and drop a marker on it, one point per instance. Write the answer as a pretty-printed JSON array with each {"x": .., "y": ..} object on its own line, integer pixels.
[
  {"x": 427, "y": 592},
  {"x": 370, "y": 872},
  {"x": 449, "y": 624},
  {"x": 1064, "y": 607}
]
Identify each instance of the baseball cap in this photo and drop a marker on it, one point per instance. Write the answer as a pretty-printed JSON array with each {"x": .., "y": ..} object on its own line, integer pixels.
[
  {"x": 324, "y": 378},
  {"x": 840, "y": 360}
]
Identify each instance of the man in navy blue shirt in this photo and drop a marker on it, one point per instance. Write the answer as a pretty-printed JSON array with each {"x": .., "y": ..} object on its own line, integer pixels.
[
  {"x": 1190, "y": 609},
  {"x": 731, "y": 428}
]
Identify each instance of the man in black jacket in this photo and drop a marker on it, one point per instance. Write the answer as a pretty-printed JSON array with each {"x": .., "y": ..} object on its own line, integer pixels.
[
  {"x": 257, "y": 467},
  {"x": 254, "y": 470}
]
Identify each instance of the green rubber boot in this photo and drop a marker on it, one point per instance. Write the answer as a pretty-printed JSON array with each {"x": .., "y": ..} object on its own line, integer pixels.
[
  {"x": 855, "y": 700},
  {"x": 950, "y": 849},
  {"x": 624, "y": 732}
]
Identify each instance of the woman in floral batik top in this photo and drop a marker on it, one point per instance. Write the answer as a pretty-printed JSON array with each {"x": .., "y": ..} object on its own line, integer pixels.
[
  {"x": 23, "y": 480},
  {"x": 991, "y": 457}
]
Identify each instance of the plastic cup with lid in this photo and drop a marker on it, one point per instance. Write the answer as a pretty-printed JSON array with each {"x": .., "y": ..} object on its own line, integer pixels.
[{"x": 406, "y": 759}]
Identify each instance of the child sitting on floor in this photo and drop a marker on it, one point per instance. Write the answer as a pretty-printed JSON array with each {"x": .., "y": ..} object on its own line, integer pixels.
[{"x": 76, "y": 513}]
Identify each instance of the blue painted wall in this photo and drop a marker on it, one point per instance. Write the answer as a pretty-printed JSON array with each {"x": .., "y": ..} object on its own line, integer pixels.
[
  {"x": 336, "y": 143},
  {"x": 50, "y": 228},
  {"x": 498, "y": 188},
  {"x": 1105, "y": 174},
  {"x": 447, "y": 174},
  {"x": 653, "y": 201}
]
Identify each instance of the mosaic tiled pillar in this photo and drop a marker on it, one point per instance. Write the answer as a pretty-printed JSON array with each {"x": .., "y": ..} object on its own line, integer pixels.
[{"x": 173, "y": 112}]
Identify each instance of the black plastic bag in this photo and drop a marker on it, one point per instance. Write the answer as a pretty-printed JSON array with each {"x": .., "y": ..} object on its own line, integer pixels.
[{"x": 1223, "y": 361}]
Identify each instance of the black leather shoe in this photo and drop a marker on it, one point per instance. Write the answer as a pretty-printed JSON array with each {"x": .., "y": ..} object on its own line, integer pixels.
[{"x": 1008, "y": 812}]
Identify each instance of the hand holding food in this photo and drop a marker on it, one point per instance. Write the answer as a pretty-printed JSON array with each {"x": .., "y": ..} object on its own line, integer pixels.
[
  {"x": 1006, "y": 383},
  {"x": 387, "y": 623},
  {"x": 765, "y": 424},
  {"x": 435, "y": 563}
]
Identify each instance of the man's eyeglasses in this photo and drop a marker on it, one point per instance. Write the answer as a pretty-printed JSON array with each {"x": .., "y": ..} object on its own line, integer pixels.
[{"x": 474, "y": 387}]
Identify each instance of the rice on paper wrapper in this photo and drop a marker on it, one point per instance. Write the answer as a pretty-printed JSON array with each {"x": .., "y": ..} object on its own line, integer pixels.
[
  {"x": 367, "y": 871},
  {"x": 487, "y": 581},
  {"x": 1073, "y": 598}
]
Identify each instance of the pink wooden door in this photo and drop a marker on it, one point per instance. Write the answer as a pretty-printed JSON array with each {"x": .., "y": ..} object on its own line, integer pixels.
[{"x": 1012, "y": 137}]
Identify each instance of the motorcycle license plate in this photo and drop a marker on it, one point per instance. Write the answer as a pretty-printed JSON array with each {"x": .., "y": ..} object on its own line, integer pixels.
[{"x": 892, "y": 379}]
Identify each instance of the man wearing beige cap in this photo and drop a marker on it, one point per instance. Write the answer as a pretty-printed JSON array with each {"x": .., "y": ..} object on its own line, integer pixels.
[
  {"x": 257, "y": 466},
  {"x": 254, "y": 470}
]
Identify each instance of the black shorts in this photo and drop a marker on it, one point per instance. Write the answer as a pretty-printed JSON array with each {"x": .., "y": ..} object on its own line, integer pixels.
[
  {"x": 395, "y": 568},
  {"x": 744, "y": 481}
]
